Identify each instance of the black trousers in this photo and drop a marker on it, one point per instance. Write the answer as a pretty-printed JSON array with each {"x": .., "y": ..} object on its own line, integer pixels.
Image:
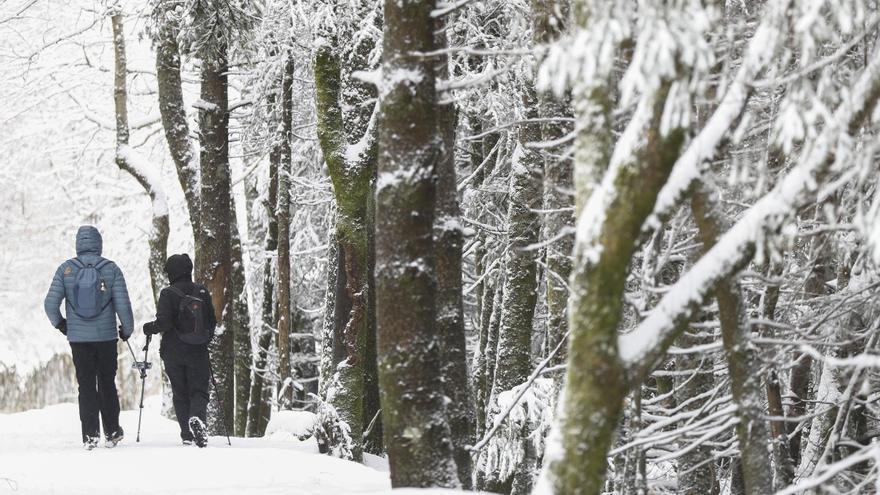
[
  {"x": 189, "y": 371},
  {"x": 95, "y": 364}
]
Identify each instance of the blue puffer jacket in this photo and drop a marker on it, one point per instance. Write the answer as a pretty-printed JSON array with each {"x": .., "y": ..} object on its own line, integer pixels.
[{"x": 103, "y": 327}]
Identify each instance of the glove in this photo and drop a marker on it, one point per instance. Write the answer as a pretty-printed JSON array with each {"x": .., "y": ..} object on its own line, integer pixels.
[
  {"x": 150, "y": 328},
  {"x": 122, "y": 334},
  {"x": 62, "y": 327}
]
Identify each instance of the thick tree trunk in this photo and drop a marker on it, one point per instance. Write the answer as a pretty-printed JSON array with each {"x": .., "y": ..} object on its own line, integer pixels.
[
  {"x": 417, "y": 434},
  {"x": 347, "y": 135},
  {"x": 595, "y": 388},
  {"x": 351, "y": 177},
  {"x": 513, "y": 362},
  {"x": 214, "y": 264}
]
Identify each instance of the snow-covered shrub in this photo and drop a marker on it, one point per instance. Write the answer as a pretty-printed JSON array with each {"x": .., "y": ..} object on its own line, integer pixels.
[
  {"x": 331, "y": 432},
  {"x": 296, "y": 424},
  {"x": 532, "y": 415}
]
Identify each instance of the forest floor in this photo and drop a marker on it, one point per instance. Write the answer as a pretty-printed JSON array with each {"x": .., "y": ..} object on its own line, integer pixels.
[{"x": 41, "y": 453}]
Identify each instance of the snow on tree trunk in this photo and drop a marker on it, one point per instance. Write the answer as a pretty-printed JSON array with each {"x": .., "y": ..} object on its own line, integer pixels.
[
  {"x": 745, "y": 384},
  {"x": 417, "y": 434},
  {"x": 259, "y": 401},
  {"x": 214, "y": 265},
  {"x": 448, "y": 244},
  {"x": 174, "y": 120},
  {"x": 348, "y": 142},
  {"x": 261, "y": 395},
  {"x": 242, "y": 348},
  {"x": 608, "y": 233},
  {"x": 513, "y": 360},
  {"x": 283, "y": 313},
  {"x": 550, "y": 20},
  {"x": 142, "y": 171}
]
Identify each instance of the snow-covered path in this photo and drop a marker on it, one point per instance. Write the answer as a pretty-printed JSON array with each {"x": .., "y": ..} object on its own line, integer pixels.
[{"x": 40, "y": 453}]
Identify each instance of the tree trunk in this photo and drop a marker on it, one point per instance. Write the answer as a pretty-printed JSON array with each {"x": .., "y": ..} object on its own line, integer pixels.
[
  {"x": 417, "y": 434},
  {"x": 259, "y": 402},
  {"x": 128, "y": 160},
  {"x": 595, "y": 388},
  {"x": 214, "y": 264},
  {"x": 550, "y": 21},
  {"x": 242, "y": 347},
  {"x": 448, "y": 244},
  {"x": 513, "y": 363},
  {"x": 347, "y": 135},
  {"x": 285, "y": 377},
  {"x": 695, "y": 477},
  {"x": 745, "y": 384},
  {"x": 175, "y": 124}
]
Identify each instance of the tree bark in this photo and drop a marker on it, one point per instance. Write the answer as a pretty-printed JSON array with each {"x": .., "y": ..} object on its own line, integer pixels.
[
  {"x": 417, "y": 433},
  {"x": 595, "y": 388},
  {"x": 745, "y": 384},
  {"x": 174, "y": 121},
  {"x": 347, "y": 135},
  {"x": 158, "y": 235},
  {"x": 448, "y": 244},
  {"x": 214, "y": 265},
  {"x": 259, "y": 405},
  {"x": 549, "y": 22},
  {"x": 285, "y": 377},
  {"x": 242, "y": 347}
]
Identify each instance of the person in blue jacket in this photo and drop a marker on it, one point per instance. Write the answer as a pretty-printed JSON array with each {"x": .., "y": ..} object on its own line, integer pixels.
[{"x": 94, "y": 292}]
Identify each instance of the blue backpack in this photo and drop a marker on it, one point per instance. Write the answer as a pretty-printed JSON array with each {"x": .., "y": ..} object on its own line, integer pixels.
[{"x": 89, "y": 290}]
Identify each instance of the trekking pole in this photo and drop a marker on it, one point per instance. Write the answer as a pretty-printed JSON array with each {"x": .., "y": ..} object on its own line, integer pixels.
[
  {"x": 141, "y": 366},
  {"x": 219, "y": 401}
]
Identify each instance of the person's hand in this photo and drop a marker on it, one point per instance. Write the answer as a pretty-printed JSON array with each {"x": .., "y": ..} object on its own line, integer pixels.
[
  {"x": 122, "y": 334},
  {"x": 150, "y": 328},
  {"x": 62, "y": 327}
]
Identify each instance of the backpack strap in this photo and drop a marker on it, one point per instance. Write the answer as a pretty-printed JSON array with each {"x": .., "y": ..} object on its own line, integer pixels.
[
  {"x": 185, "y": 294},
  {"x": 177, "y": 291},
  {"x": 100, "y": 264}
]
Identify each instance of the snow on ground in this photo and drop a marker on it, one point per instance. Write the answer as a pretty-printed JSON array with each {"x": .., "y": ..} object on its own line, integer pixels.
[{"x": 41, "y": 453}]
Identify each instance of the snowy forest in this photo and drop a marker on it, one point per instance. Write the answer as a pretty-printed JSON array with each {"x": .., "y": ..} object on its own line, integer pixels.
[{"x": 511, "y": 246}]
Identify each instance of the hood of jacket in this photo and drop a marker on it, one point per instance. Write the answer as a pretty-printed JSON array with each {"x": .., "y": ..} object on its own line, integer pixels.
[
  {"x": 179, "y": 267},
  {"x": 88, "y": 241}
]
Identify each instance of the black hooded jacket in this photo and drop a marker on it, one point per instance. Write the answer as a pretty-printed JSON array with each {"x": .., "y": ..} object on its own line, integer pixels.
[{"x": 179, "y": 269}]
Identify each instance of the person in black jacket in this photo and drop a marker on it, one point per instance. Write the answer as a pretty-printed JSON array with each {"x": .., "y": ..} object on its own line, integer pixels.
[{"x": 187, "y": 365}]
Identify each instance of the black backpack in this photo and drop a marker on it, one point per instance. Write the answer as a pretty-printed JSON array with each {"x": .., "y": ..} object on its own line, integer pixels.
[{"x": 191, "y": 322}]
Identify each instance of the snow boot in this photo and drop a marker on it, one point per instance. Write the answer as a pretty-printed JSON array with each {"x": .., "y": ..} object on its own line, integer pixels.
[
  {"x": 200, "y": 433},
  {"x": 114, "y": 438},
  {"x": 91, "y": 443},
  {"x": 187, "y": 443}
]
